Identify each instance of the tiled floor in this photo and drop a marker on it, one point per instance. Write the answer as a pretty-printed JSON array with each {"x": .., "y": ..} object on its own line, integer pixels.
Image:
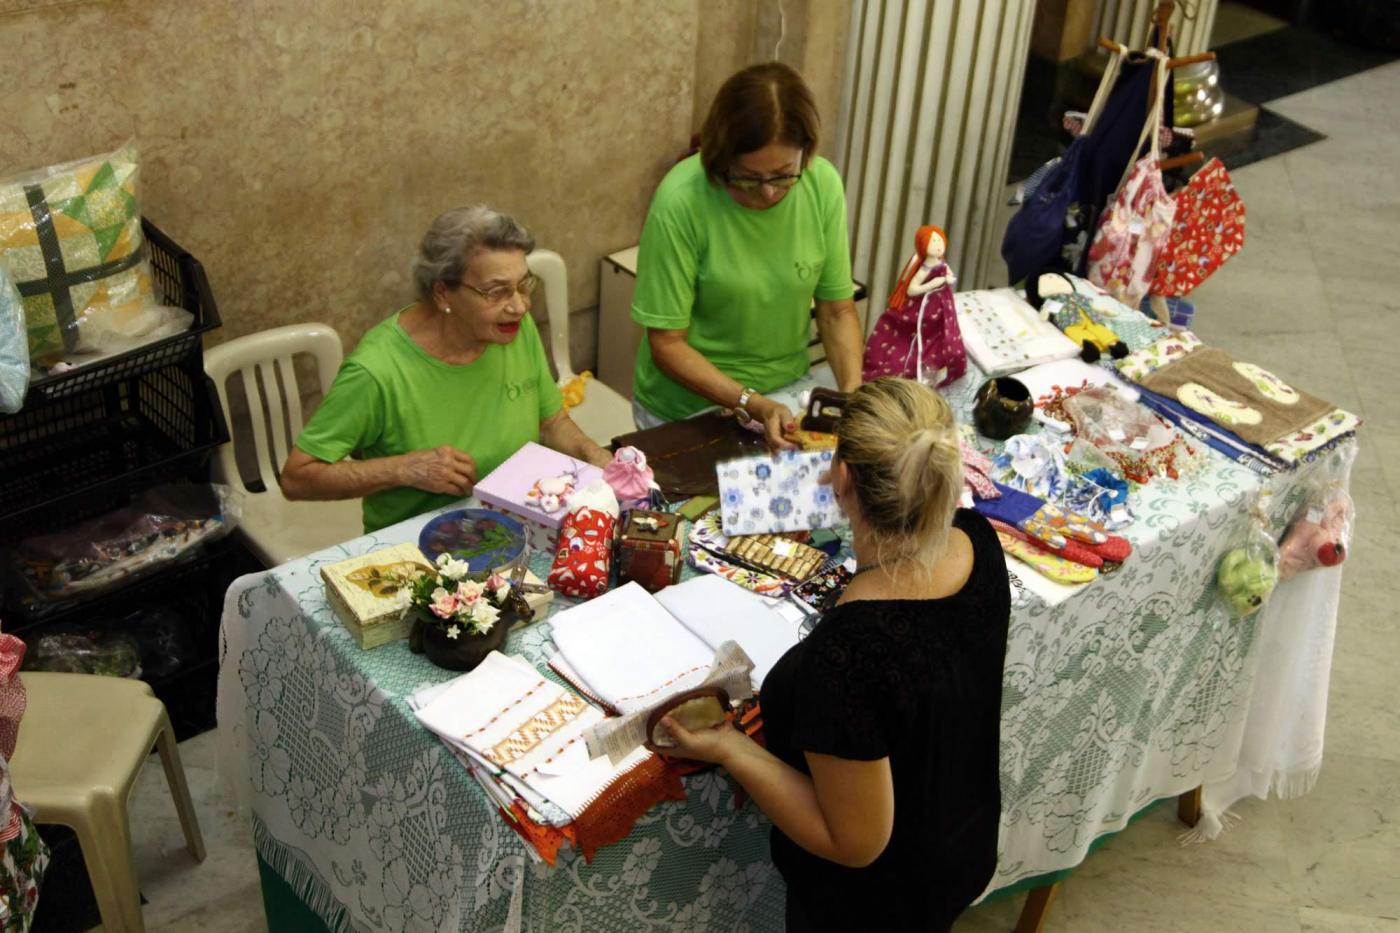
[{"x": 1311, "y": 296}]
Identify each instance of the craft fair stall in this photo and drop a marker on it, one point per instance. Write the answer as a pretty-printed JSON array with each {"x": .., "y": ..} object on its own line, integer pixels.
[{"x": 1154, "y": 675}]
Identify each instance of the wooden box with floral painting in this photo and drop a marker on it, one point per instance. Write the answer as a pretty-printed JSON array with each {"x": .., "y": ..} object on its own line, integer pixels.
[
  {"x": 370, "y": 593},
  {"x": 649, "y": 550}
]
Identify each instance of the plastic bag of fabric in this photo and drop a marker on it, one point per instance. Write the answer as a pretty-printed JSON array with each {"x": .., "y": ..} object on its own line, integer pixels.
[{"x": 162, "y": 525}]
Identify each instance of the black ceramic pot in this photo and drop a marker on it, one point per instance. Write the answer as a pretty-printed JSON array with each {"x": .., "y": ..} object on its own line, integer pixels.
[
  {"x": 462, "y": 653},
  {"x": 1003, "y": 408}
]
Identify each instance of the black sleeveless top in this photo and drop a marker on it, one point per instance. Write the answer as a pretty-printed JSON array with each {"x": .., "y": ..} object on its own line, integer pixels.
[{"x": 919, "y": 682}]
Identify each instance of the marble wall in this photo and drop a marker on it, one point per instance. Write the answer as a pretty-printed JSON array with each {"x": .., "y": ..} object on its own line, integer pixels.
[{"x": 300, "y": 149}]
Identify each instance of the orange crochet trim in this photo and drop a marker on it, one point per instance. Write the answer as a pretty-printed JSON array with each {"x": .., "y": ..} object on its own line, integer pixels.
[
  {"x": 536, "y": 729},
  {"x": 610, "y": 818},
  {"x": 546, "y": 840},
  {"x": 505, "y": 709}
]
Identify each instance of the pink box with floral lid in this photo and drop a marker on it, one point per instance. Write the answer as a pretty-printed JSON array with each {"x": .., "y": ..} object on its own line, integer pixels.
[{"x": 534, "y": 485}]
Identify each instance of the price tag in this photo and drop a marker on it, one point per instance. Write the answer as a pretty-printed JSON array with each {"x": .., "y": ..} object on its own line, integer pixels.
[
  {"x": 1117, "y": 434},
  {"x": 1118, "y": 513},
  {"x": 1136, "y": 226},
  {"x": 1315, "y": 516},
  {"x": 1052, "y": 306},
  {"x": 782, "y": 547},
  {"x": 1139, "y": 443}
]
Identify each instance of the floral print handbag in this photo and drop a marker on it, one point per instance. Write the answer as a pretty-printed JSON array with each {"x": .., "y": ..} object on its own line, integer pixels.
[
  {"x": 1136, "y": 222},
  {"x": 1208, "y": 229}
]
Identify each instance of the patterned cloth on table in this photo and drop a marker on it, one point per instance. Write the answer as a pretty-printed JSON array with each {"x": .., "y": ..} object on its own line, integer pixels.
[
  {"x": 781, "y": 492},
  {"x": 1004, "y": 334}
]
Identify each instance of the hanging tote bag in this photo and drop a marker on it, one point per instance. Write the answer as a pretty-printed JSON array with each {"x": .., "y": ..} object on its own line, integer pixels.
[
  {"x": 1138, "y": 220},
  {"x": 1208, "y": 230},
  {"x": 1036, "y": 232}
]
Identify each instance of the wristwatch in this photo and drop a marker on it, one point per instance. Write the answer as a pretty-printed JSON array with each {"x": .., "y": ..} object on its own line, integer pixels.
[{"x": 741, "y": 410}]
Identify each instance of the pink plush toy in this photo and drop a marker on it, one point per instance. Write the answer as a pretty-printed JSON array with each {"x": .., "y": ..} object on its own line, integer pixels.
[
  {"x": 630, "y": 478},
  {"x": 1320, "y": 536}
]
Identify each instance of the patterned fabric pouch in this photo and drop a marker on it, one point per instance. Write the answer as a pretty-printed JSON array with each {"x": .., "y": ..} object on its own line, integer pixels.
[
  {"x": 1137, "y": 222},
  {"x": 583, "y": 560},
  {"x": 781, "y": 492},
  {"x": 1208, "y": 230}
]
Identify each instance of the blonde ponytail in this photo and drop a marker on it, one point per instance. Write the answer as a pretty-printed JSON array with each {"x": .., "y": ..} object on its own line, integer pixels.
[{"x": 900, "y": 442}]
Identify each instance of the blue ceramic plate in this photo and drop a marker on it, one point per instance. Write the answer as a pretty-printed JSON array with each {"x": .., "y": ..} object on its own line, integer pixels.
[{"x": 486, "y": 540}]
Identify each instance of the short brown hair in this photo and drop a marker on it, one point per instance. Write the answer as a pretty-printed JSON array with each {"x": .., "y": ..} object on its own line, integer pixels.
[{"x": 760, "y": 105}]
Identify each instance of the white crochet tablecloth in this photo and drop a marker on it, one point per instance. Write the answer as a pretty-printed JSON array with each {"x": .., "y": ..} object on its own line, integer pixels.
[{"x": 1137, "y": 689}]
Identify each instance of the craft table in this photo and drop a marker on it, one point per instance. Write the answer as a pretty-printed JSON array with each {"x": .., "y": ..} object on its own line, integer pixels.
[{"x": 1141, "y": 687}]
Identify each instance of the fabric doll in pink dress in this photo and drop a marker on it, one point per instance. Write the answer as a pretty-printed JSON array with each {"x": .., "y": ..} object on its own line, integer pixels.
[{"x": 918, "y": 336}]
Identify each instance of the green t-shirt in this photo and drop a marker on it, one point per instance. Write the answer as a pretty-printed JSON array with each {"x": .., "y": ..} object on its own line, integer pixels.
[
  {"x": 740, "y": 280},
  {"x": 392, "y": 397}
]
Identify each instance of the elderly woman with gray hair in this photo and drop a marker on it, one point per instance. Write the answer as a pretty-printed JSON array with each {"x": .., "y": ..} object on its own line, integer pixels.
[{"x": 443, "y": 391}]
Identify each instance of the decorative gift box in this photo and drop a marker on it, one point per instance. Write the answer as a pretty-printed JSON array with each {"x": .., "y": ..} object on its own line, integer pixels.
[
  {"x": 777, "y": 554},
  {"x": 370, "y": 593},
  {"x": 534, "y": 485},
  {"x": 649, "y": 550}
]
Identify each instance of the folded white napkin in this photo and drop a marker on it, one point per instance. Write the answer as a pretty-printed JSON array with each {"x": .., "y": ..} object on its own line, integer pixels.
[
  {"x": 527, "y": 730},
  {"x": 628, "y": 649},
  {"x": 718, "y": 611},
  {"x": 1004, "y": 334}
]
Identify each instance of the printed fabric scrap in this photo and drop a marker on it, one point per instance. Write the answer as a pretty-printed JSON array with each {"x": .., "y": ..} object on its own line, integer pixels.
[
  {"x": 583, "y": 560},
  {"x": 782, "y": 492}
]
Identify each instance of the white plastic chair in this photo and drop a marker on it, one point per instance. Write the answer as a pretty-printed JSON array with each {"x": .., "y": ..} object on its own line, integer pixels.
[
  {"x": 278, "y": 530},
  {"x": 603, "y": 414}
]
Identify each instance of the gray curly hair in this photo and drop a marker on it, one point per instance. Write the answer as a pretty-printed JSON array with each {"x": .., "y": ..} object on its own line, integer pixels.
[{"x": 455, "y": 236}]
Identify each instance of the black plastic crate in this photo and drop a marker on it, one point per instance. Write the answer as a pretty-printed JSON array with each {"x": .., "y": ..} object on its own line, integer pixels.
[
  {"x": 180, "y": 279},
  {"x": 82, "y": 455}
]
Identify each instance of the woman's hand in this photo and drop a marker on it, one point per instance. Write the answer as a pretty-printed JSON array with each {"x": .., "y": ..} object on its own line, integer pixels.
[
  {"x": 444, "y": 469},
  {"x": 716, "y": 744},
  {"x": 777, "y": 421}
]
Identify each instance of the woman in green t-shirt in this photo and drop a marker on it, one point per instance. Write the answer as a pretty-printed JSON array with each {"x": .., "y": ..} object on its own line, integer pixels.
[
  {"x": 444, "y": 391},
  {"x": 739, "y": 241}
]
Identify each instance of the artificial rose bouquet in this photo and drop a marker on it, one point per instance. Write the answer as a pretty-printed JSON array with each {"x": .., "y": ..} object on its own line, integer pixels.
[{"x": 456, "y": 604}]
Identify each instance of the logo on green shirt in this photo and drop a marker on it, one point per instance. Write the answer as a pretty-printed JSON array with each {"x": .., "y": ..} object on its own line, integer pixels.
[{"x": 806, "y": 270}]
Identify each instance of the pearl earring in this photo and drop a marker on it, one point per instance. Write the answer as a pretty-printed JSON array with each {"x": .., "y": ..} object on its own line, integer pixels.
[{"x": 446, "y": 309}]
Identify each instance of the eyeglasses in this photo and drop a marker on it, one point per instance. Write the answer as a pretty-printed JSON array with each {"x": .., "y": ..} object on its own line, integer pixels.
[
  {"x": 749, "y": 183},
  {"x": 500, "y": 294}
]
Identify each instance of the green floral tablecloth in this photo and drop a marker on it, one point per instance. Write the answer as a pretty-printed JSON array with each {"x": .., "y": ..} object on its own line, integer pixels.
[{"x": 1136, "y": 689}]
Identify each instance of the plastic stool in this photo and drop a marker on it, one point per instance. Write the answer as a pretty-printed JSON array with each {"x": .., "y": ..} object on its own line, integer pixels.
[{"x": 81, "y": 746}]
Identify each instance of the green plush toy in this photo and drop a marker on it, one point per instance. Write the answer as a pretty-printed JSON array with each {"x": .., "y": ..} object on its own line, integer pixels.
[{"x": 1246, "y": 577}]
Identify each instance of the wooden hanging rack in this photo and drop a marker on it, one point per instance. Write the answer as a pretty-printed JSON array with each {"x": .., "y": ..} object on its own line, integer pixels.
[{"x": 1162, "y": 18}]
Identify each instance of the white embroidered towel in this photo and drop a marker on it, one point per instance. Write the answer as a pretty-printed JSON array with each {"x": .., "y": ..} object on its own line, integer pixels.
[
  {"x": 627, "y": 648},
  {"x": 719, "y": 611},
  {"x": 528, "y": 729}
]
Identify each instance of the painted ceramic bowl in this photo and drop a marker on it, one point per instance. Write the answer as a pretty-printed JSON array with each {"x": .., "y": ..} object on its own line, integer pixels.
[{"x": 486, "y": 540}]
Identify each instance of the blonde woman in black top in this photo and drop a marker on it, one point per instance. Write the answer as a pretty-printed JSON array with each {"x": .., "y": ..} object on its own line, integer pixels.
[{"x": 881, "y": 768}]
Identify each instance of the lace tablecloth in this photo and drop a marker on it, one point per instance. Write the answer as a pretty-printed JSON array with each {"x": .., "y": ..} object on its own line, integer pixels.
[{"x": 1139, "y": 688}]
